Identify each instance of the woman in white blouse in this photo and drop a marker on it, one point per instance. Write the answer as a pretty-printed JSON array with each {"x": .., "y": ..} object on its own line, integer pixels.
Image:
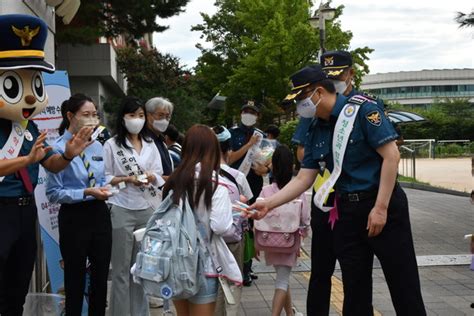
[{"x": 132, "y": 165}]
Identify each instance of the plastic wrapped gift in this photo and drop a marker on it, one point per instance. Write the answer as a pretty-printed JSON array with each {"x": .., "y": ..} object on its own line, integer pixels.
[
  {"x": 265, "y": 151},
  {"x": 43, "y": 304}
]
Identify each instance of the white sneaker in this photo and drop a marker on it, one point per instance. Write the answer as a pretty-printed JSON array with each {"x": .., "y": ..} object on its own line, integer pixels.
[{"x": 295, "y": 312}]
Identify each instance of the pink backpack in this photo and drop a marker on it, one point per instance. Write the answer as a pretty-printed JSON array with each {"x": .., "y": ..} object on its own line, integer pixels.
[
  {"x": 279, "y": 230},
  {"x": 240, "y": 223}
]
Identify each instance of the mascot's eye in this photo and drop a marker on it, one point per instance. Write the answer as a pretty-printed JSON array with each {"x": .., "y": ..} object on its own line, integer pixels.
[
  {"x": 11, "y": 88},
  {"x": 38, "y": 87}
]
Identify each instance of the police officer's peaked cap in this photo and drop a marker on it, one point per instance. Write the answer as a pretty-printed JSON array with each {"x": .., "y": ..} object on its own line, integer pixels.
[
  {"x": 250, "y": 105},
  {"x": 334, "y": 62},
  {"x": 303, "y": 78},
  {"x": 22, "y": 42}
]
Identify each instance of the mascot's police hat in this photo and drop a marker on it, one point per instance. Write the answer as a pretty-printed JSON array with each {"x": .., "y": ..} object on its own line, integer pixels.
[{"x": 22, "y": 39}]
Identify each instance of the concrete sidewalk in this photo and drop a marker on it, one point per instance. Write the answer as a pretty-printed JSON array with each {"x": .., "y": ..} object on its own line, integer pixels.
[{"x": 439, "y": 222}]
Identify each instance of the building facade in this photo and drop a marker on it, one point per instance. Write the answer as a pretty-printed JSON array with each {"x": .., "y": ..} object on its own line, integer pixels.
[
  {"x": 92, "y": 69},
  {"x": 421, "y": 88}
]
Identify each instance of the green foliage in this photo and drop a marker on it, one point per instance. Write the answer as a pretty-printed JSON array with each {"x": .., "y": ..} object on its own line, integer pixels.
[
  {"x": 446, "y": 120},
  {"x": 150, "y": 74},
  {"x": 287, "y": 131},
  {"x": 465, "y": 19},
  {"x": 112, "y": 18},
  {"x": 257, "y": 45}
]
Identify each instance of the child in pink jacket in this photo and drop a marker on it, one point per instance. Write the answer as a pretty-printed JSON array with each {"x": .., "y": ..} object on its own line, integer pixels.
[{"x": 282, "y": 167}]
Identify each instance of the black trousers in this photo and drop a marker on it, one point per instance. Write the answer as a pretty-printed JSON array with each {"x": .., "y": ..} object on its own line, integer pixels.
[
  {"x": 393, "y": 247},
  {"x": 17, "y": 256},
  {"x": 85, "y": 232},
  {"x": 323, "y": 262}
]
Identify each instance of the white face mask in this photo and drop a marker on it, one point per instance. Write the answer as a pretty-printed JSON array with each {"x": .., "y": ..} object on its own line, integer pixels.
[
  {"x": 248, "y": 119},
  {"x": 135, "y": 125},
  {"x": 306, "y": 108},
  {"x": 161, "y": 125},
  {"x": 340, "y": 86}
]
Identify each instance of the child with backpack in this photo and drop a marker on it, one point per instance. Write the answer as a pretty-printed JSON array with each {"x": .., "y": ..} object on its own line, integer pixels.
[
  {"x": 239, "y": 190},
  {"x": 197, "y": 180},
  {"x": 279, "y": 234}
]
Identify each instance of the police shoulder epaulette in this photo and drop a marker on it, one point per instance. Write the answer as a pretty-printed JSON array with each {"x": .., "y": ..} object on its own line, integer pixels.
[
  {"x": 357, "y": 99},
  {"x": 371, "y": 96}
]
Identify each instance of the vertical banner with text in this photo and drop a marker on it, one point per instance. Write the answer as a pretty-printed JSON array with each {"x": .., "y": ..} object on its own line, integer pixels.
[{"x": 57, "y": 87}]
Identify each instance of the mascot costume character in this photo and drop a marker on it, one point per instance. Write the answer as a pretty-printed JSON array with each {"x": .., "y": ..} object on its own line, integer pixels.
[{"x": 22, "y": 149}]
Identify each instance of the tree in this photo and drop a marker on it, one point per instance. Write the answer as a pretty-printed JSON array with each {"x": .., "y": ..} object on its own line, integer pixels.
[
  {"x": 257, "y": 45},
  {"x": 465, "y": 19},
  {"x": 150, "y": 73},
  {"x": 445, "y": 119},
  {"x": 111, "y": 18}
]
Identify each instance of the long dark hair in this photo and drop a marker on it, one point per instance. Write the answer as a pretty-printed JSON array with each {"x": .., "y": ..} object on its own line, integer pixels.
[
  {"x": 282, "y": 163},
  {"x": 200, "y": 146},
  {"x": 129, "y": 105},
  {"x": 73, "y": 104}
]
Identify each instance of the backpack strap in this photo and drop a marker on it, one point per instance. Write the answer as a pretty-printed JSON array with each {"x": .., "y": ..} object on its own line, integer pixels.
[{"x": 227, "y": 175}]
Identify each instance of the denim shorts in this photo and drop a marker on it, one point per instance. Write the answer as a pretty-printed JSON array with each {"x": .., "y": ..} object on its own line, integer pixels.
[{"x": 207, "y": 292}]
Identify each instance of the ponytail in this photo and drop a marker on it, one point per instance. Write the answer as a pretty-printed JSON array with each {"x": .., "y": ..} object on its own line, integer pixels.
[{"x": 65, "y": 122}]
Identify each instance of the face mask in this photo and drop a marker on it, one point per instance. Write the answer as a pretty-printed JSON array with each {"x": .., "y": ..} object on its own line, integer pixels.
[
  {"x": 306, "y": 108},
  {"x": 134, "y": 126},
  {"x": 161, "y": 125},
  {"x": 340, "y": 86},
  {"x": 87, "y": 122},
  {"x": 248, "y": 119}
]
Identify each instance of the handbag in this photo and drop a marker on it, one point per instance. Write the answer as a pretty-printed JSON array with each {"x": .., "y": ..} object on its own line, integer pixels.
[{"x": 279, "y": 230}]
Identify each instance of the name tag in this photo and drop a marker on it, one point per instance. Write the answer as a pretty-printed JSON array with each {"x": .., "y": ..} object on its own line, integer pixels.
[{"x": 97, "y": 158}]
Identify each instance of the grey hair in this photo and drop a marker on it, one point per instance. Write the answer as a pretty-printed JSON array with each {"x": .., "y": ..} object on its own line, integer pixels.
[{"x": 159, "y": 103}]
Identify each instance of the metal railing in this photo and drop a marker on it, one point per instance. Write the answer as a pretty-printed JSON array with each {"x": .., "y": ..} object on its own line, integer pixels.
[{"x": 407, "y": 165}]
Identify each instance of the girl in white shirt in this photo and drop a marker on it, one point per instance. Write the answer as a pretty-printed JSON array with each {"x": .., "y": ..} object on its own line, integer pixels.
[
  {"x": 133, "y": 164},
  {"x": 197, "y": 178}
]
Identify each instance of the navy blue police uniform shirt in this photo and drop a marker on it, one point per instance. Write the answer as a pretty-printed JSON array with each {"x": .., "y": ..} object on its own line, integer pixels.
[
  {"x": 301, "y": 131},
  {"x": 361, "y": 164},
  {"x": 12, "y": 186},
  {"x": 240, "y": 136}
]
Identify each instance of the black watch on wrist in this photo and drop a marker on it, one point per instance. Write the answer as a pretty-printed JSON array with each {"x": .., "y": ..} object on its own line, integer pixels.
[{"x": 66, "y": 158}]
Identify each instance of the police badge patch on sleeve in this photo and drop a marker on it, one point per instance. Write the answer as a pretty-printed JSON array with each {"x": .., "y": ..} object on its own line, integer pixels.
[{"x": 374, "y": 118}]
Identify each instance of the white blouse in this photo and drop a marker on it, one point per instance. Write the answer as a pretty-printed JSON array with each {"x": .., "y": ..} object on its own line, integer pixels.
[{"x": 148, "y": 160}]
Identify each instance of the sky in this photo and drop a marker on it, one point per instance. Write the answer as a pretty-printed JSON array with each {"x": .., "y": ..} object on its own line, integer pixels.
[{"x": 406, "y": 34}]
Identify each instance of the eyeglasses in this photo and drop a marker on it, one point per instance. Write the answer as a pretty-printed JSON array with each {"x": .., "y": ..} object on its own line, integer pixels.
[{"x": 160, "y": 116}]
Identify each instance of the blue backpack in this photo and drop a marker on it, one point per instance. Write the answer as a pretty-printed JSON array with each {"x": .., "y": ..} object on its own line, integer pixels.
[{"x": 169, "y": 263}]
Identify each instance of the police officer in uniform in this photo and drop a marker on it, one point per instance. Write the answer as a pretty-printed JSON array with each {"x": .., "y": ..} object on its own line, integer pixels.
[
  {"x": 373, "y": 209},
  {"x": 243, "y": 137},
  {"x": 338, "y": 67},
  {"x": 23, "y": 148}
]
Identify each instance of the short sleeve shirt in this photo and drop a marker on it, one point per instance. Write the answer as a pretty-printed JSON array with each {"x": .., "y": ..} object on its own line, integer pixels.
[
  {"x": 361, "y": 164},
  {"x": 301, "y": 131}
]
